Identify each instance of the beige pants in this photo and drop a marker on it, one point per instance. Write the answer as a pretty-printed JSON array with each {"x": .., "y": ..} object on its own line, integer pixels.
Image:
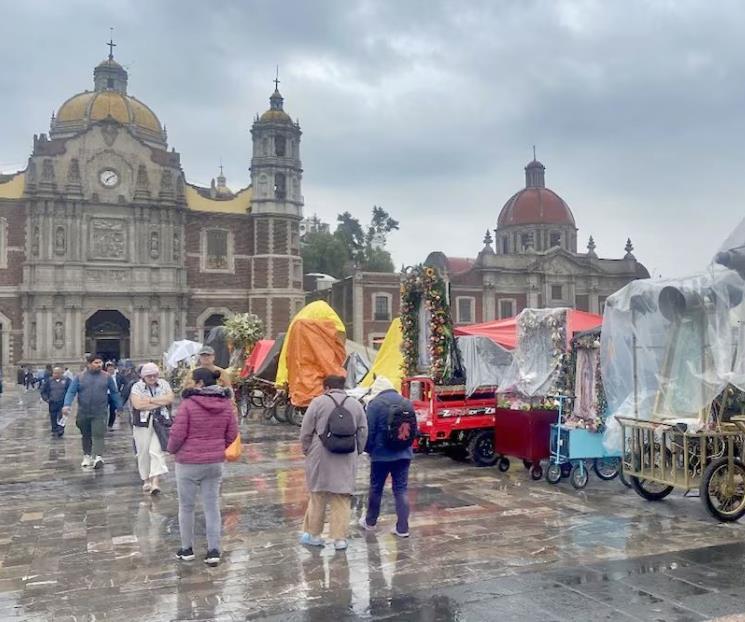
[
  {"x": 340, "y": 509},
  {"x": 151, "y": 461}
]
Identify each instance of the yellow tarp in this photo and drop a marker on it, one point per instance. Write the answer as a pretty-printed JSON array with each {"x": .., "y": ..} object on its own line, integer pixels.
[
  {"x": 389, "y": 360},
  {"x": 318, "y": 310}
]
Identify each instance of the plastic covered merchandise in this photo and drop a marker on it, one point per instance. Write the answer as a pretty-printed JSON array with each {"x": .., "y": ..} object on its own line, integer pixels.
[
  {"x": 267, "y": 369},
  {"x": 669, "y": 347},
  {"x": 389, "y": 361},
  {"x": 357, "y": 367},
  {"x": 541, "y": 344},
  {"x": 484, "y": 361}
]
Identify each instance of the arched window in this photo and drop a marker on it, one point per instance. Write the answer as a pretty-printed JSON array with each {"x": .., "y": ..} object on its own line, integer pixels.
[
  {"x": 554, "y": 239},
  {"x": 214, "y": 320},
  {"x": 280, "y": 186},
  {"x": 279, "y": 146},
  {"x": 217, "y": 250}
]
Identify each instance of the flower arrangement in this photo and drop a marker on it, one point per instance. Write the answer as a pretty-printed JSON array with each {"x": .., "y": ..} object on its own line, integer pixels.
[
  {"x": 423, "y": 283},
  {"x": 243, "y": 330}
]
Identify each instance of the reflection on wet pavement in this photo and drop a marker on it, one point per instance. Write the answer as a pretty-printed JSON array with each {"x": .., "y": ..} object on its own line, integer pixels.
[{"x": 485, "y": 545}]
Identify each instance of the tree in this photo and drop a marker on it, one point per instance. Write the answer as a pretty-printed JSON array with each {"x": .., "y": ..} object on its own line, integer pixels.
[
  {"x": 325, "y": 253},
  {"x": 349, "y": 231},
  {"x": 379, "y": 260},
  {"x": 380, "y": 226}
]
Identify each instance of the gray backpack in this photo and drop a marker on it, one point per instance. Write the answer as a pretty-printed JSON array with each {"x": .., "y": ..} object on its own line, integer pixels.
[{"x": 340, "y": 436}]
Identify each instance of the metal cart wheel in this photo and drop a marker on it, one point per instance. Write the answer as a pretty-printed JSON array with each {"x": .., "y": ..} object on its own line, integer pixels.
[
  {"x": 504, "y": 464},
  {"x": 607, "y": 468},
  {"x": 459, "y": 453},
  {"x": 624, "y": 479},
  {"x": 566, "y": 469},
  {"x": 536, "y": 472},
  {"x": 481, "y": 449},
  {"x": 267, "y": 400},
  {"x": 651, "y": 491},
  {"x": 579, "y": 476},
  {"x": 723, "y": 489},
  {"x": 293, "y": 415},
  {"x": 553, "y": 473}
]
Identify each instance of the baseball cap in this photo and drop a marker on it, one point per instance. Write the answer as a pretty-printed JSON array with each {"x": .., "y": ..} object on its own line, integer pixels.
[{"x": 207, "y": 350}]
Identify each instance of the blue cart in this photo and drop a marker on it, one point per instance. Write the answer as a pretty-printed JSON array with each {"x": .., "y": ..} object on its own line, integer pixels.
[{"x": 572, "y": 450}]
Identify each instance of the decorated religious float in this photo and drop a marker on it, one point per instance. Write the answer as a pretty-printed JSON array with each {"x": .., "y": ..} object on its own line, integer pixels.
[
  {"x": 577, "y": 437},
  {"x": 452, "y": 385},
  {"x": 673, "y": 360}
]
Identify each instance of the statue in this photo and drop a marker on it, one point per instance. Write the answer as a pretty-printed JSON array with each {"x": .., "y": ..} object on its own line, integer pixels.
[
  {"x": 154, "y": 332},
  {"x": 176, "y": 247},
  {"x": 59, "y": 334},
  {"x": 60, "y": 243},
  {"x": 35, "y": 242},
  {"x": 154, "y": 245}
]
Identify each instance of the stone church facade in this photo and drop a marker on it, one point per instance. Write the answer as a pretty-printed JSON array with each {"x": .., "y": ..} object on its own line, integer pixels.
[{"x": 105, "y": 247}]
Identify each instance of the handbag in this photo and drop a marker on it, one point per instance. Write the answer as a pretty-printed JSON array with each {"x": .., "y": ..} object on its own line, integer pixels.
[
  {"x": 162, "y": 423},
  {"x": 233, "y": 451}
]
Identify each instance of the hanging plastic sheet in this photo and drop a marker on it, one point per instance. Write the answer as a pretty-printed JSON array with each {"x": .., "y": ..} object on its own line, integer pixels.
[
  {"x": 357, "y": 367},
  {"x": 541, "y": 342},
  {"x": 484, "y": 361},
  {"x": 267, "y": 369},
  {"x": 218, "y": 341}
]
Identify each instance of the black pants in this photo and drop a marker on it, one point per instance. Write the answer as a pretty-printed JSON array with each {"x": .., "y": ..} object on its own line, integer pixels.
[
  {"x": 55, "y": 410},
  {"x": 112, "y": 415}
]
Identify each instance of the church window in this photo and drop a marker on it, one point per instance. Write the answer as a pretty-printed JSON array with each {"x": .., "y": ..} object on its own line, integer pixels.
[
  {"x": 465, "y": 307},
  {"x": 280, "y": 186},
  {"x": 554, "y": 239},
  {"x": 582, "y": 302},
  {"x": 110, "y": 83},
  {"x": 557, "y": 292},
  {"x": 506, "y": 308},
  {"x": 526, "y": 241},
  {"x": 216, "y": 250},
  {"x": 279, "y": 146},
  {"x": 505, "y": 245},
  {"x": 381, "y": 307}
]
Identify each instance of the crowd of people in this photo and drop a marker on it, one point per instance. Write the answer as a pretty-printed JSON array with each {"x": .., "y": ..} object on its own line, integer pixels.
[{"x": 336, "y": 429}]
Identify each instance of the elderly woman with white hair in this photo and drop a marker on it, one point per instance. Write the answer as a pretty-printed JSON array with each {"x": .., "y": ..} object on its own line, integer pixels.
[{"x": 149, "y": 396}]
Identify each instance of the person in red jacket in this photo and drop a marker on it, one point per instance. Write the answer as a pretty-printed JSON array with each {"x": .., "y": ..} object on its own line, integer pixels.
[{"x": 203, "y": 428}]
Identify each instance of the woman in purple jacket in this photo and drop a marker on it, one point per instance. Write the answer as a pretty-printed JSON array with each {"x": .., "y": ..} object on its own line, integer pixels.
[{"x": 203, "y": 428}]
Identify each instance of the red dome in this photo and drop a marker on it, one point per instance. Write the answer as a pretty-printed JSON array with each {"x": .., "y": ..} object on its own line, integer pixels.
[{"x": 535, "y": 206}]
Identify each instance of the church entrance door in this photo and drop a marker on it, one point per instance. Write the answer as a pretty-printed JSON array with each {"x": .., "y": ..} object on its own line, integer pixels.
[{"x": 107, "y": 334}]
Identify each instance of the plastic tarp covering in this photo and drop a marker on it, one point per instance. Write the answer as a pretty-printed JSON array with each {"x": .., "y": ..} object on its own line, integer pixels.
[
  {"x": 668, "y": 347},
  {"x": 542, "y": 337},
  {"x": 267, "y": 369},
  {"x": 484, "y": 361},
  {"x": 180, "y": 351},
  {"x": 254, "y": 360},
  {"x": 218, "y": 340},
  {"x": 314, "y": 351},
  {"x": 504, "y": 332},
  {"x": 356, "y": 367},
  {"x": 318, "y": 310},
  {"x": 389, "y": 362},
  {"x": 368, "y": 354}
]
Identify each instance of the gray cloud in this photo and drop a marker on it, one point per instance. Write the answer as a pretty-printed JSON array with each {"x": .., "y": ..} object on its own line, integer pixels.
[{"x": 430, "y": 108}]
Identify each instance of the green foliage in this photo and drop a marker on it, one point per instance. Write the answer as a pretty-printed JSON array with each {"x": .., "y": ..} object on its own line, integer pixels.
[
  {"x": 378, "y": 260},
  {"x": 325, "y": 253}
]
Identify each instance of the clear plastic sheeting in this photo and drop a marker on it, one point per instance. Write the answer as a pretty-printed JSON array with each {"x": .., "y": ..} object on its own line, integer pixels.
[
  {"x": 669, "y": 347},
  {"x": 484, "y": 362},
  {"x": 541, "y": 342},
  {"x": 357, "y": 367}
]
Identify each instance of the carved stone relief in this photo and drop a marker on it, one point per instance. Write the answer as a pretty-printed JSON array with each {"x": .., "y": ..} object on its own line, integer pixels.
[
  {"x": 154, "y": 332},
  {"x": 35, "y": 236},
  {"x": 154, "y": 244},
  {"x": 176, "y": 247},
  {"x": 32, "y": 336},
  {"x": 59, "y": 335},
  {"x": 108, "y": 238},
  {"x": 60, "y": 240}
]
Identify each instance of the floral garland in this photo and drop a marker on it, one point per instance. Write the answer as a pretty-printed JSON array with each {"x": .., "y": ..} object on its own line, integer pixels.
[
  {"x": 424, "y": 283},
  {"x": 243, "y": 331}
]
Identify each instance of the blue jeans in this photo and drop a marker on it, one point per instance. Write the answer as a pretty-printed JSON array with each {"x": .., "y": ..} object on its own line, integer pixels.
[
  {"x": 399, "y": 472},
  {"x": 55, "y": 410}
]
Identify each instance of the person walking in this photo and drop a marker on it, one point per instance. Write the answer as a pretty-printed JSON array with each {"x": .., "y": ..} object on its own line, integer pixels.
[
  {"x": 28, "y": 379},
  {"x": 203, "y": 428},
  {"x": 93, "y": 388},
  {"x": 53, "y": 392},
  {"x": 149, "y": 396},
  {"x": 391, "y": 421},
  {"x": 333, "y": 434},
  {"x": 114, "y": 373}
]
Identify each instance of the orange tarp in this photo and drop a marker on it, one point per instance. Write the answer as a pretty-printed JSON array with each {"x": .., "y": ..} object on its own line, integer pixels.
[
  {"x": 504, "y": 332},
  {"x": 257, "y": 356},
  {"x": 314, "y": 351}
]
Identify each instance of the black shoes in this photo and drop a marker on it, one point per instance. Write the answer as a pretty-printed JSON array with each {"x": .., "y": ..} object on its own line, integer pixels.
[
  {"x": 213, "y": 557},
  {"x": 185, "y": 555}
]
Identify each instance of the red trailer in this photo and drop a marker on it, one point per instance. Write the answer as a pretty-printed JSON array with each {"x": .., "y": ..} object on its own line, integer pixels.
[
  {"x": 461, "y": 427},
  {"x": 525, "y": 435}
]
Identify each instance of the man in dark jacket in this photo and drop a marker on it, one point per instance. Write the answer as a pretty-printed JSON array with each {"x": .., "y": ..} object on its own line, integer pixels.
[
  {"x": 93, "y": 388},
  {"x": 53, "y": 392},
  {"x": 385, "y": 461}
]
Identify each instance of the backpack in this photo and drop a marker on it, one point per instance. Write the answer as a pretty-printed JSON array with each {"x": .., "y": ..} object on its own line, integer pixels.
[
  {"x": 401, "y": 428},
  {"x": 340, "y": 436}
]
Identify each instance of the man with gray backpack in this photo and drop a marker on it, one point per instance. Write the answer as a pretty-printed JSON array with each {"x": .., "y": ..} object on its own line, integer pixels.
[
  {"x": 392, "y": 428},
  {"x": 333, "y": 434}
]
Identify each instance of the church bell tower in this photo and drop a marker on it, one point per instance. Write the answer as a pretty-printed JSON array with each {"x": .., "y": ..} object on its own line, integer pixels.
[{"x": 276, "y": 210}]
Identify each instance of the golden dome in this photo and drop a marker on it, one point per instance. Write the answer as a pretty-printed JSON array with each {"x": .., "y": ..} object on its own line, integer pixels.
[
  {"x": 94, "y": 106},
  {"x": 276, "y": 116}
]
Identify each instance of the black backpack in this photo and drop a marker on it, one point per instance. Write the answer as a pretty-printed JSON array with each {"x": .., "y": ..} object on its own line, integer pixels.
[
  {"x": 401, "y": 429},
  {"x": 340, "y": 436}
]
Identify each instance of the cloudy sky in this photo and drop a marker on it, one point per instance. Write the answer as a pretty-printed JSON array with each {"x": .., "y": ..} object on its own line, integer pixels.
[{"x": 429, "y": 108}]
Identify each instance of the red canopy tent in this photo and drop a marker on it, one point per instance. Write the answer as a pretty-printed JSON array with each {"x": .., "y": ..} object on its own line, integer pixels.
[
  {"x": 504, "y": 332},
  {"x": 257, "y": 356}
]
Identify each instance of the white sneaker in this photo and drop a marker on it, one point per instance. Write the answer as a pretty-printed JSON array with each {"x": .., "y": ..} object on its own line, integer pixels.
[
  {"x": 398, "y": 534},
  {"x": 340, "y": 545},
  {"x": 98, "y": 463},
  {"x": 363, "y": 524},
  {"x": 87, "y": 461}
]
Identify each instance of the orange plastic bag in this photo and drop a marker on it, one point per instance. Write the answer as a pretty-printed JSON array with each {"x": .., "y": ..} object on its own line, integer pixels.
[{"x": 233, "y": 452}]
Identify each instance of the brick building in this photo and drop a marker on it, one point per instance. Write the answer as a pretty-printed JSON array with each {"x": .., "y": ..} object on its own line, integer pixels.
[{"x": 105, "y": 247}]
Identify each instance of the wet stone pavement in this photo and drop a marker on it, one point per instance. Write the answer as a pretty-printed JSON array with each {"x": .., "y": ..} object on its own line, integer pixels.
[{"x": 485, "y": 545}]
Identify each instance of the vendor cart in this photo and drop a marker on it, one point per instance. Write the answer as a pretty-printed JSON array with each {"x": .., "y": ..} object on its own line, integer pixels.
[
  {"x": 675, "y": 353},
  {"x": 523, "y": 434}
]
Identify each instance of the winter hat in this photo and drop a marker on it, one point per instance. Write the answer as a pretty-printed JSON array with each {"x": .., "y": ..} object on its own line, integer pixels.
[
  {"x": 381, "y": 384},
  {"x": 149, "y": 369}
]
